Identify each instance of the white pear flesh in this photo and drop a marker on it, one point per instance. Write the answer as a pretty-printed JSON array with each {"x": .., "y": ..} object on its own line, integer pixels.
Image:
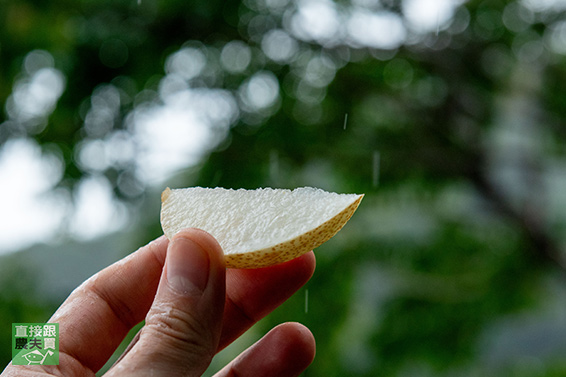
[{"x": 262, "y": 227}]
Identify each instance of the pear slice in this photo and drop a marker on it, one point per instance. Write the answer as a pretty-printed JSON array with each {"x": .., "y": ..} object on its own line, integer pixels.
[{"x": 259, "y": 228}]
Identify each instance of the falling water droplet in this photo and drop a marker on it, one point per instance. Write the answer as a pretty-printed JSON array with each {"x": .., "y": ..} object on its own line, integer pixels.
[
  {"x": 375, "y": 169},
  {"x": 345, "y": 120},
  {"x": 274, "y": 166},
  {"x": 216, "y": 178},
  {"x": 437, "y": 21}
]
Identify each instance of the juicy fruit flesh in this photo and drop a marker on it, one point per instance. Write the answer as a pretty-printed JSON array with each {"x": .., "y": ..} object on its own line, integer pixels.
[{"x": 259, "y": 227}]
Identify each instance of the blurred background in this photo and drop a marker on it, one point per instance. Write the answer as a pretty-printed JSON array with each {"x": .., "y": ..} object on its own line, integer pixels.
[{"x": 448, "y": 114}]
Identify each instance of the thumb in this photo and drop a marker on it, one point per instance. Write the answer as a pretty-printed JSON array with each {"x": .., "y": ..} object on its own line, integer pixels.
[{"x": 183, "y": 326}]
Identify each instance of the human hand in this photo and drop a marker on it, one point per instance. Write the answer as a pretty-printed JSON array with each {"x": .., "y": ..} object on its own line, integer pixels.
[{"x": 193, "y": 307}]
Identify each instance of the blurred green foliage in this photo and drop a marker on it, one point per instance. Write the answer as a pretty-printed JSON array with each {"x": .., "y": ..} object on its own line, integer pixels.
[
  {"x": 19, "y": 301},
  {"x": 456, "y": 135}
]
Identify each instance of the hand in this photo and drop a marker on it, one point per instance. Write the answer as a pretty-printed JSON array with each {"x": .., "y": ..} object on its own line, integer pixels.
[{"x": 193, "y": 307}]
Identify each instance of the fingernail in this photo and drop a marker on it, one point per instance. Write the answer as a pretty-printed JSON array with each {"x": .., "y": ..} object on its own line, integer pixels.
[{"x": 187, "y": 266}]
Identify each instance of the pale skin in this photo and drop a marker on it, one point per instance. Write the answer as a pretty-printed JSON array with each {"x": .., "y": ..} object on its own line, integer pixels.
[{"x": 193, "y": 307}]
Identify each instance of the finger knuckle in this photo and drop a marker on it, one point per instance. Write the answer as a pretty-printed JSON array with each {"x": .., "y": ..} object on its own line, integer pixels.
[{"x": 181, "y": 329}]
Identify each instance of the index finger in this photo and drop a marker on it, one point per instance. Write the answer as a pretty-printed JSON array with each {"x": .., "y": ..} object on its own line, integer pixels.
[{"x": 252, "y": 294}]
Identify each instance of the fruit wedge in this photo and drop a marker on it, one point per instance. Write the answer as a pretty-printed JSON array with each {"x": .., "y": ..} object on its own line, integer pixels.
[{"x": 259, "y": 228}]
